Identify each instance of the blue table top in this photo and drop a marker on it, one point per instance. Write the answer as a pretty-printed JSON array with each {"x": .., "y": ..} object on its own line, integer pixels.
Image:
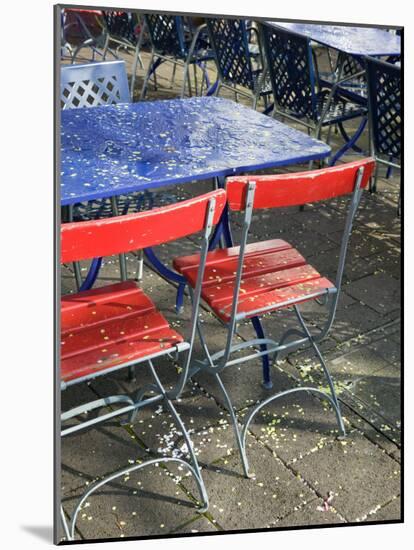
[
  {"x": 352, "y": 40},
  {"x": 116, "y": 149}
]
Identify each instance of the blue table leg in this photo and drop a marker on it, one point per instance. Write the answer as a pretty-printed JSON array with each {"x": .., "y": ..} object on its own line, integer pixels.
[
  {"x": 168, "y": 274},
  {"x": 349, "y": 143},
  {"x": 267, "y": 382},
  {"x": 215, "y": 239},
  {"x": 269, "y": 109},
  {"x": 92, "y": 274},
  {"x": 212, "y": 88}
]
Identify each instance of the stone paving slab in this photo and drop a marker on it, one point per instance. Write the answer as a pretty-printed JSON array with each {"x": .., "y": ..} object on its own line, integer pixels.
[
  {"x": 161, "y": 434},
  {"x": 327, "y": 262},
  {"x": 145, "y": 503},
  {"x": 243, "y": 383},
  {"x": 354, "y": 320},
  {"x": 296, "y": 425},
  {"x": 353, "y": 366},
  {"x": 311, "y": 514},
  {"x": 275, "y": 489},
  {"x": 345, "y": 468},
  {"x": 389, "y": 349},
  {"x": 381, "y": 292},
  {"x": 376, "y": 422},
  {"x": 381, "y": 392},
  {"x": 390, "y": 511}
]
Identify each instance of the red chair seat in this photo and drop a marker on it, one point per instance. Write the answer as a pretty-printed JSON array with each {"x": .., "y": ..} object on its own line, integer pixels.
[
  {"x": 110, "y": 326},
  {"x": 273, "y": 273}
]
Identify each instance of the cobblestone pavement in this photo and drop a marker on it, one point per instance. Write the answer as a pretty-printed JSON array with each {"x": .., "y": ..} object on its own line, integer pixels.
[{"x": 304, "y": 475}]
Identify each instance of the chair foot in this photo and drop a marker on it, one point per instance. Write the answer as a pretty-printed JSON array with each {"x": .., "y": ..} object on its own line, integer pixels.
[
  {"x": 202, "y": 509},
  {"x": 267, "y": 385}
]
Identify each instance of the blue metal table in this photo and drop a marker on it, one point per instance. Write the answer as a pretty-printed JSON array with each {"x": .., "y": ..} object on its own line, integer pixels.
[
  {"x": 118, "y": 149},
  {"x": 357, "y": 41}
]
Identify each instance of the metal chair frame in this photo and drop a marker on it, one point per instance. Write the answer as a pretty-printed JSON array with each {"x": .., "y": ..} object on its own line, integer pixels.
[
  {"x": 233, "y": 58},
  {"x": 120, "y": 28},
  {"x": 384, "y": 97},
  {"x": 297, "y": 93},
  {"x": 217, "y": 362},
  {"x": 169, "y": 45},
  {"x": 210, "y": 207}
]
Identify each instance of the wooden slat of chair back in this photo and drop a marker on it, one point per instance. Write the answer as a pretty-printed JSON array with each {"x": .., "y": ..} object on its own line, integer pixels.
[
  {"x": 283, "y": 190},
  {"x": 96, "y": 238}
]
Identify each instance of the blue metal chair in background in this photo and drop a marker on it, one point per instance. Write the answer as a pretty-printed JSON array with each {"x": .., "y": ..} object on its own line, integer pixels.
[
  {"x": 126, "y": 29},
  {"x": 121, "y": 27},
  {"x": 171, "y": 43},
  {"x": 235, "y": 58},
  {"x": 297, "y": 92},
  {"x": 384, "y": 95},
  {"x": 355, "y": 88}
]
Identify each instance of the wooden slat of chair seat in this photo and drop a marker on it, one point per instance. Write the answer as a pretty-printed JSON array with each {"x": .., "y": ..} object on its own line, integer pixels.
[
  {"x": 223, "y": 254},
  {"x": 110, "y": 326},
  {"x": 92, "y": 307},
  {"x": 269, "y": 267}
]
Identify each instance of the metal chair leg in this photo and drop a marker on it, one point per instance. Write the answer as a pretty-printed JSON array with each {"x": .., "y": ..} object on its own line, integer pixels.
[
  {"x": 133, "y": 468},
  {"x": 140, "y": 267},
  {"x": 373, "y": 181},
  {"x": 147, "y": 76},
  {"x": 76, "y": 265},
  {"x": 325, "y": 369},
  {"x": 236, "y": 429},
  {"x": 122, "y": 259},
  {"x": 64, "y": 523}
]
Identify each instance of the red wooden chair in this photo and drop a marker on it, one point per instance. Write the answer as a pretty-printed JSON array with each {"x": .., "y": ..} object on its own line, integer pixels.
[
  {"x": 254, "y": 279},
  {"x": 118, "y": 326}
]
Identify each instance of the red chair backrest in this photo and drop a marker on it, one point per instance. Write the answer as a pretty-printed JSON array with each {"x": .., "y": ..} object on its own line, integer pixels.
[
  {"x": 92, "y": 239},
  {"x": 300, "y": 187}
]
